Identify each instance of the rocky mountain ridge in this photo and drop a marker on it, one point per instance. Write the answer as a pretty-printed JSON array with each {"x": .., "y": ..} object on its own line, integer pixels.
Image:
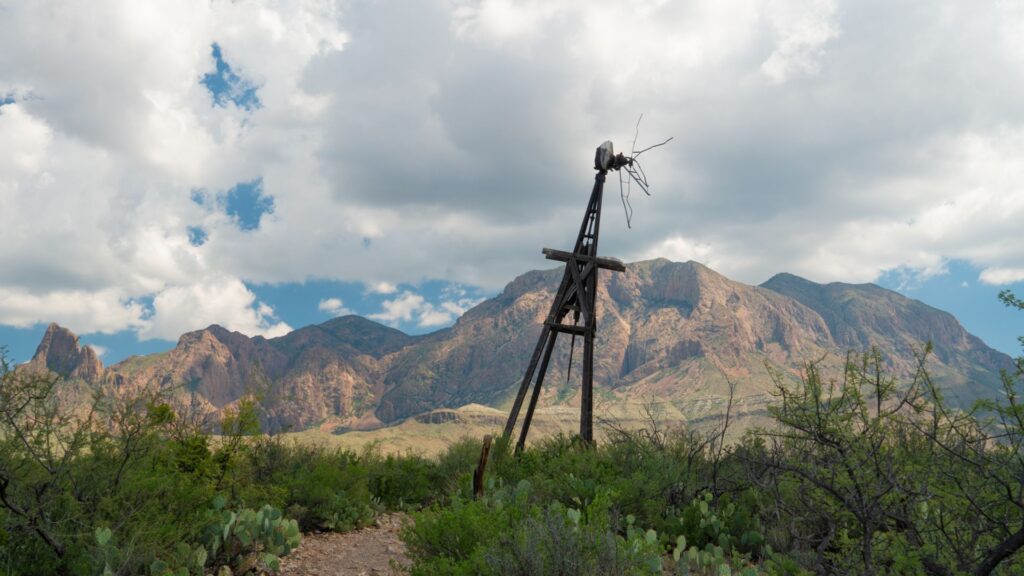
[{"x": 669, "y": 332}]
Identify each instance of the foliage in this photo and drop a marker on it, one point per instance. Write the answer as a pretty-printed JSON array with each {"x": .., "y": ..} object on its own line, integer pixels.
[
  {"x": 241, "y": 540},
  {"x": 131, "y": 483},
  {"x": 322, "y": 489},
  {"x": 508, "y": 533},
  {"x": 870, "y": 475}
]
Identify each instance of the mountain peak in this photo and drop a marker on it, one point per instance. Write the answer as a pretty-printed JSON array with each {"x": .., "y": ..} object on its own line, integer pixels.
[
  {"x": 361, "y": 334},
  {"x": 60, "y": 352},
  {"x": 865, "y": 315},
  {"x": 788, "y": 280}
]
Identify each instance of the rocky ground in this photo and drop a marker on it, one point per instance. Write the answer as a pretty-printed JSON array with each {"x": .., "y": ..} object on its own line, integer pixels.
[{"x": 371, "y": 551}]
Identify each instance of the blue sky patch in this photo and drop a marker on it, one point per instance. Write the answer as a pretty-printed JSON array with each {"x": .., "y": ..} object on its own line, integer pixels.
[
  {"x": 227, "y": 86},
  {"x": 247, "y": 204},
  {"x": 974, "y": 303},
  {"x": 21, "y": 343},
  {"x": 199, "y": 196},
  {"x": 197, "y": 236},
  {"x": 7, "y": 99}
]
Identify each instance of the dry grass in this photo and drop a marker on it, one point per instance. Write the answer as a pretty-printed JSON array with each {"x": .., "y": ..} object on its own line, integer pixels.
[{"x": 415, "y": 436}]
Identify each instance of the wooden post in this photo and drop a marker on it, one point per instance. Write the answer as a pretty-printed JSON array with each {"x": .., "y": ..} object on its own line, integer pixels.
[{"x": 481, "y": 467}]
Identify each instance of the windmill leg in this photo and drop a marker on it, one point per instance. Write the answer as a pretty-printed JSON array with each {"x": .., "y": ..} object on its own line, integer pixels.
[
  {"x": 545, "y": 334},
  {"x": 587, "y": 399},
  {"x": 587, "y": 396},
  {"x": 536, "y": 392}
]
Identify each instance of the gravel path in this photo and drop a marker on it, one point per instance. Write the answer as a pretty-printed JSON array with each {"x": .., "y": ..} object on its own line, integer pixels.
[{"x": 371, "y": 551}]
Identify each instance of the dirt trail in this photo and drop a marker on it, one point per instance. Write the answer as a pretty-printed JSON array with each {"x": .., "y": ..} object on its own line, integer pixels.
[{"x": 366, "y": 552}]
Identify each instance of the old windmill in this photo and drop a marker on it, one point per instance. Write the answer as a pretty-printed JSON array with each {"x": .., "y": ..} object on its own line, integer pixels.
[{"x": 577, "y": 294}]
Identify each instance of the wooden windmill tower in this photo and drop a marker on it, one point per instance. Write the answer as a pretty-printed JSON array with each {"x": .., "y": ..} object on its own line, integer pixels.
[{"x": 576, "y": 294}]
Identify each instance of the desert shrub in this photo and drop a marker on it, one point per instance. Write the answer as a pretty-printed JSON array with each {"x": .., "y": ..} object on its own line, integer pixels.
[
  {"x": 510, "y": 533},
  {"x": 652, "y": 474},
  {"x": 455, "y": 467},
  {"x": 403, "y": 482},
  {"x": 114, "y": 485},
  {"x": 559, "y": 540},
  {"x": 452, "y": 539},
  {"x": 322, "y": 488}
]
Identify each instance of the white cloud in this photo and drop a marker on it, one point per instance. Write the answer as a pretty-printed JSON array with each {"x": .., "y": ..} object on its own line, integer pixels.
[
  {"x": 381, "y": 288},
  {"x": 803, "y": 29},
  {"x": 1002, "y": 275},
  {"x": 333, "y": 306},
  {"x": 24, "y": 140},
  {"x": 97, "y": 349},
  {"x": 680, "y": 249},
  {"x": 432, "y": 317},
  {"x": 180, "y": 309},
  {"x": 108, "y": 310},
  {"x": 401, "y": 309},
  {"x": 412, "y": 308}
]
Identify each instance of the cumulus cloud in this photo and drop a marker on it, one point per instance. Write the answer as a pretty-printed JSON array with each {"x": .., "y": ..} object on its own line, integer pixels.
[
  {"x": 97, "y": 349},
  {"x": 381, "y": 288},
  {"x": 1002, "y": 275},
  {"x": 333, "y": 306},
  {"x": 24, "y": 138},
  {"x": 401, "y": 309},
  {"x": 108, "y": 310},
  {"x": 227, "y": 302},
  {"x": 412, "y": 308},
  {"x": 451, "y": 140},
  {"x": 680, "y": 249}
]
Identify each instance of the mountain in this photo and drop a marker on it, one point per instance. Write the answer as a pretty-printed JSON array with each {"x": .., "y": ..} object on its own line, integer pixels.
[
  {"x": 332, "y": 370},
  {"x": 864, "y": 315},
  {"x": 59, "y": 352},
  {"x": 673, "y": 334}
]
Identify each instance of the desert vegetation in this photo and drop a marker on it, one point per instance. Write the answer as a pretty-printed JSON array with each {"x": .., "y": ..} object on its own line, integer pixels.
[{"x": 860, "y": 473}]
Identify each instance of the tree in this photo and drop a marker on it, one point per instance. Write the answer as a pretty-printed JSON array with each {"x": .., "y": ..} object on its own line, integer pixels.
[
  {"x": 874, "y": 475},
  {"x": 40, "y": 438}
]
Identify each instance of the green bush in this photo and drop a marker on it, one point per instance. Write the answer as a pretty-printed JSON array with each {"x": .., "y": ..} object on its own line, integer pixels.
[
  {"x": 403, "y": 482},
  {"x": 323, "y": 489},
  {"x": 510, "y": 533}
]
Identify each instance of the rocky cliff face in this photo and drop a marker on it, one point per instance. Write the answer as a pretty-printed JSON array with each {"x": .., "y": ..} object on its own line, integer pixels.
[
  {"x": 334, "y": 370},
  {"x": 679, "y": 333},
  {"x": 671, "y": 332},
  {"x": 60, "y": 353},
  {"x": 666, "y": 330},
  {"x": 860, "y": 316}
]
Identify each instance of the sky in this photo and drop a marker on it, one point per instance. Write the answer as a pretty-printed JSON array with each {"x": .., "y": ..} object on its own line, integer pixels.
[{"x": 264, "y": 165}]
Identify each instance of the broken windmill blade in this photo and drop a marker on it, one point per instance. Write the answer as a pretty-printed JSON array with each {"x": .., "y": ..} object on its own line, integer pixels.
[
  {"x": 576, "y": 294},
  {"x": 631, "y": 171}
]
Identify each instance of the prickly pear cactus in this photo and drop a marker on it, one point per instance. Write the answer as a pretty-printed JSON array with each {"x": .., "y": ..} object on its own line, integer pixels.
[{"x": 245, "y": 540}]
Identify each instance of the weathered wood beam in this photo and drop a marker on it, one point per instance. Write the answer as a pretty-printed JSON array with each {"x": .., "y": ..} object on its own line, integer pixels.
[
  {"x": 567, "y": 328},
  {"x": 563, "y": 256}
]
